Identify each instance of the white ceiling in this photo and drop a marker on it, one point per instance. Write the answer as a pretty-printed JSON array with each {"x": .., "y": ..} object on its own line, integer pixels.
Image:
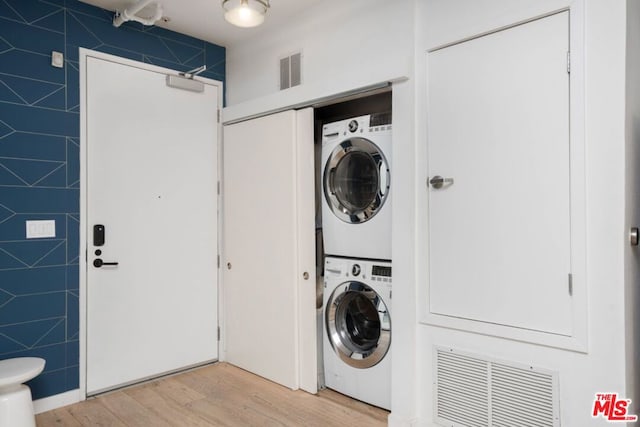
[{"x": 204, "y": 19}]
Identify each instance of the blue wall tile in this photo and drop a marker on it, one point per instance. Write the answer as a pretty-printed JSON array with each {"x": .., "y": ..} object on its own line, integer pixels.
[
  {"x": 8, "y": 262},
  {"x": 9, "y": 95},
  {"x": 30, "y": 91},
  {"x": 9, "y": 178},
  {"x": 30, "y": 65},
  {"x": 73, "y": 316},
  {"x": 30, "y": 171},
  {"x": 166, "y": 34},
  {"x": 8, "y": 345},
  {"x": 29, "y": 37},
  {"x": 73, "y": 353},
  {"x": 28, "y": 308},
  {"x": 7, "y": 12},
  {"x": 32, "y": 146},
  {"x": 40, "y": 166},
  {"x": 34, "y": 280},
  {"x": 39, "y": 120},
  {"x": 32, "y": 10},
  {"x": 73, "y": 241},
  {"x": 32, "y": 333},
  {"x": 54, "y": 22},
  {"x": 40, "y": 200},
  {"x": 73, "y": 277}
]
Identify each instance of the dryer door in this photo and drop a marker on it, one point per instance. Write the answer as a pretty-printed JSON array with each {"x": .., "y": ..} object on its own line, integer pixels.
[
  {"x": 358, "y": 325},
  {"x": 356, "y": 180}
]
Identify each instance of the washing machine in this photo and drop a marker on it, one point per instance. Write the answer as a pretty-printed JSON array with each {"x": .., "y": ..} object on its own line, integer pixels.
[
  {"x": 357, "y": 329},
  {"x": 356, "y": 178}
]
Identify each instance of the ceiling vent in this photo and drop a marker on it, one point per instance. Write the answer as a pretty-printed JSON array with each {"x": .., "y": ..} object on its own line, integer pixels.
[
  {"x": 472, "y": 391},
  {"x": 291, "y": 71}
]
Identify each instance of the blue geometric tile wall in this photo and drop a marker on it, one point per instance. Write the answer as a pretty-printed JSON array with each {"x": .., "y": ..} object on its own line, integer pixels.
[{"x": 40, "y": 166}]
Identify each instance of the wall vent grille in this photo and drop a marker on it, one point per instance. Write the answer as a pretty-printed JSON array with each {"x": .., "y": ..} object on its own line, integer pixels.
[
  {"x": 472, "y": 391},
  {"x": 291, "y": 71}
]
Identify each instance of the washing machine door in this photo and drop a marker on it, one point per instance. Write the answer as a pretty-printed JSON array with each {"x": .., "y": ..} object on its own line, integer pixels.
[
  {"x": 356, "y": 180},
  {"x": 358, "y": 325}
]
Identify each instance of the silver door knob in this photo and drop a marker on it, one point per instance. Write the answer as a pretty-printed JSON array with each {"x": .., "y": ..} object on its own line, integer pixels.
[
  {"x": 305, "y": 275},
  {"x": 228, "y": 266},
  {"x": 439, "y": 182}
]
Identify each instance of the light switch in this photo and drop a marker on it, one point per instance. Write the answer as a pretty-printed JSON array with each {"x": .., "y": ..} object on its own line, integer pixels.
[{"x": 41, "y": 229}]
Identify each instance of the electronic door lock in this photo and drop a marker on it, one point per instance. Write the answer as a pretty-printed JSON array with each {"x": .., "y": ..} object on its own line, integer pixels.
[{"x": 98, "y": 235}]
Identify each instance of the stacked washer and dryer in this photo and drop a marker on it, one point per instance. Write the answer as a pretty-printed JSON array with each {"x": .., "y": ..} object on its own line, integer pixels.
[{"x": 356, "y": 223}]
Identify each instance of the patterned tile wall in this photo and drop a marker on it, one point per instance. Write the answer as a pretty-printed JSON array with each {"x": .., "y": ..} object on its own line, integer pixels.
[{"x": 40, "y": 164}]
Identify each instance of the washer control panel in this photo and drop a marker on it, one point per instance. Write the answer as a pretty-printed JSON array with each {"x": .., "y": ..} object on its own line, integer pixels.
[{"x": 381, "y": 273}]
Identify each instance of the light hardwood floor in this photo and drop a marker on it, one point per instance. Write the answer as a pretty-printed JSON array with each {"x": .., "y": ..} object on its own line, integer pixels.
[{"x": 215, "y": 395}]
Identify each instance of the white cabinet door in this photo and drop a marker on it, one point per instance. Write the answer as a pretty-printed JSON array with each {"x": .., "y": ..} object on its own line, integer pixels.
[
  {"x": 268, "y": 246},
  {"x": 151, "y": 155},
  {"x": 498, "y": 125}
]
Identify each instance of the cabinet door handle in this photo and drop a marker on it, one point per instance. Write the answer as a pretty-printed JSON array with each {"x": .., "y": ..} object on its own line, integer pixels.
[{"x": 438, "y": 182}]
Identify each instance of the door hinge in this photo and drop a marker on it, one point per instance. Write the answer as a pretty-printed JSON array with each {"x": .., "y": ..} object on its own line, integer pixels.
[
  {"x": 570, "y": 284},
  {"x": 218, "y": 188},
  {"x": 218, "y": 333},
  {"x": 218, "y": 115},
  {"x": 218, "y": 261},
  {"x": 568, "y": 62}
]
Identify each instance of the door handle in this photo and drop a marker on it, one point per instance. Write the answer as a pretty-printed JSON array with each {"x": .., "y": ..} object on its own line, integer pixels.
[
  {"x": 438, "y": 182},
  {"x": 97, "y": 263}
]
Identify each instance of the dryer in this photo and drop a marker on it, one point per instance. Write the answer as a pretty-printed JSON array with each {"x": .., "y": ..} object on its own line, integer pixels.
[
  {"x": 356, "y": 179},
  {"x": 357, "y": 329}
]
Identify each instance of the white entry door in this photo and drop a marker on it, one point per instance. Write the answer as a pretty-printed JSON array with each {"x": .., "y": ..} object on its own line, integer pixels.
[
  {"x": 499, "y": 169},
  {"x": 151, "y": 154},
  {"x": 269, "y": 248}
]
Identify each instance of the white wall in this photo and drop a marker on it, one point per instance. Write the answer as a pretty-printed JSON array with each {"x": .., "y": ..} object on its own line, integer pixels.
[
  {"x": 356, "y": 43},
  {"x": 632, "y": 254},
  {"x": 602, "y": 367},
  {"x": 345, "y": 45}
]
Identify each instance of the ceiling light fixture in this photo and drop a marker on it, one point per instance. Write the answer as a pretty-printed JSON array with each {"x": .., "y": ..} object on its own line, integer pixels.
[{"x": 245, "y": 13}]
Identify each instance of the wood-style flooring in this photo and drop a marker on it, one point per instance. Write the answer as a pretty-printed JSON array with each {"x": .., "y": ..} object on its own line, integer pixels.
[{"x": 215, "y": 395}]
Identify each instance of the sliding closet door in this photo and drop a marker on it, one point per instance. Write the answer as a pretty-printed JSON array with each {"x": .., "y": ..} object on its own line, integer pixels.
[{"x": 269, "y": 273}]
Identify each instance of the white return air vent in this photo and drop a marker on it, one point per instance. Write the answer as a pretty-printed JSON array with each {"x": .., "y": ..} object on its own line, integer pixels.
[
  {"x": 291, "y": 71},
  {"x": 472, "y": 391}
]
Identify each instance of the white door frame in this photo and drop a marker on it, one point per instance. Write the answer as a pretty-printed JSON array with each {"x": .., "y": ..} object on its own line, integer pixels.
[{"x": 84, "y": 55}]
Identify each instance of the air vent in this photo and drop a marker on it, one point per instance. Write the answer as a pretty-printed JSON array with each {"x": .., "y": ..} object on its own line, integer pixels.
[
  {"x": 473, "y": 391},
  {"x": 290, "y": 71},
  {"x": 462, "y": 390}
]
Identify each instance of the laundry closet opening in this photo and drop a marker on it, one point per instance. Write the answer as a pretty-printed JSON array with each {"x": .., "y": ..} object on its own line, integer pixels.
[{"x": 353, "y": 176}]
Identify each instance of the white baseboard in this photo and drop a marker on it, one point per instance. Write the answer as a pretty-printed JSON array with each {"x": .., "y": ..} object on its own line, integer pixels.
[
  {"x": 394, "y": 420},
  {"x": 57, "y": 401}
]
